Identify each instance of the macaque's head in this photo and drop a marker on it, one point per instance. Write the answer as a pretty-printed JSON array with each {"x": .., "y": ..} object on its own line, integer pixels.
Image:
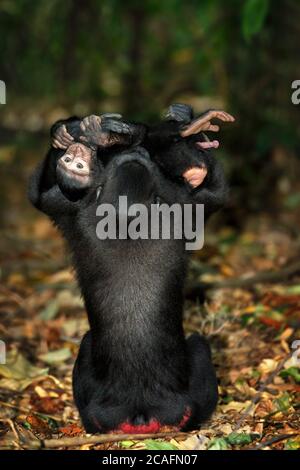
[{"x": 74, "y": 170}]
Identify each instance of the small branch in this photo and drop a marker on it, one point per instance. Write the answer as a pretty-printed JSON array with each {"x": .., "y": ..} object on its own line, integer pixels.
[
  {"x": 264, "y": 277},
  {"x": 273, "y": 440},
  {"x": 30, "y": 412},
  {"x": 97, "y": 439}
]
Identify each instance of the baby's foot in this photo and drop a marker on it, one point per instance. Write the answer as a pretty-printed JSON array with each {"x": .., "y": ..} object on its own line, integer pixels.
[{"x": 195, "y": 176}]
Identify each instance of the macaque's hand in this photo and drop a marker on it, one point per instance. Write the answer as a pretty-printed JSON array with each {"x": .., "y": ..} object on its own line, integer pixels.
[
  {"x": 203, "y": 123},
  {"x": 179, "y": 112},
  {"x": 62, "y": 139},
  {"x": 103, "y": 130}
]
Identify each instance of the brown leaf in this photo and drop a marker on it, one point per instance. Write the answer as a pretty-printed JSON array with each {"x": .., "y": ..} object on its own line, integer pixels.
[
  {"x": 71, "y": 430},
  {"x": 37, "y": 424}
]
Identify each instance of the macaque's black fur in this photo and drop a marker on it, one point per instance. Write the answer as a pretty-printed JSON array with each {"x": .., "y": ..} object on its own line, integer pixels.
[{"x": 135, "y": 365}]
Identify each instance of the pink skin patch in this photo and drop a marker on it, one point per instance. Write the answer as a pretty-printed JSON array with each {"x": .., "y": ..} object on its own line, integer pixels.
[
  {"x": 195, "y": 176},
  {"x": 214, "y": 144},
  {"x": 152, "y": 427}
]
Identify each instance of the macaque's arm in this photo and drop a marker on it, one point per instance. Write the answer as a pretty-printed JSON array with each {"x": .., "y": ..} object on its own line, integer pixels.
[{"x": 93, "y": 131}]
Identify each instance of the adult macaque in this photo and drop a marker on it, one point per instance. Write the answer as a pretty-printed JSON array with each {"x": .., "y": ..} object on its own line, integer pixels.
[{"x": 135, "y": 371}]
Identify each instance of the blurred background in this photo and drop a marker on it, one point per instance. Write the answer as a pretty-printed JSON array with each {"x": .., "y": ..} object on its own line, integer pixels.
[
  {"x": 91, "y": 56},
  {"x": 136, "y": 57}
]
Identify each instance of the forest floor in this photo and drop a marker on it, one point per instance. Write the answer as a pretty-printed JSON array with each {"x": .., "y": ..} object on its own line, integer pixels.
[{"x": 251, "y": 332}]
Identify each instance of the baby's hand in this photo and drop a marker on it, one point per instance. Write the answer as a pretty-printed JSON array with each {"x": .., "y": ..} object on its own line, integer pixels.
[{"x": 62, "y": 139}]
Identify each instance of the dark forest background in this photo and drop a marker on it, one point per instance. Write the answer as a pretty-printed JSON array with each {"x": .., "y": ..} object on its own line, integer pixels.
[{"x": 91, "y": 56}]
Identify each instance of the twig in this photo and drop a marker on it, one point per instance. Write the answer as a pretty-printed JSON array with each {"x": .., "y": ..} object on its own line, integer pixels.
[
  {"x": 271, "y": 441},
  {"x": 12, "y": 426},
  {"x": 97, "y": 439},
  {"x": 28, "y": 411},
  {"x": 196, "y": 289}
]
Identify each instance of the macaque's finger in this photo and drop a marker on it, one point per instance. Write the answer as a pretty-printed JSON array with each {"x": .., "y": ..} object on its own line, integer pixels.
[
  {"x": 97, "y": 124},
  {"x": 83, "y": 138},
  {"x": 213, "y": 128},
  {"x": 66, "y": 139},
  {"x": 208, "y": 145},
  {"x": 64, "y": 136},
  {"x": 94, "y": 122},
  {"x": 85, "y": 122},
  {"x": 217, "y": 114},
  {"x": 179, "y": 112},
  {"x": 195, "y": 176},
  {"x": 57, "y": 144},
  {"x": 118, "y": 127},
  {"x": 65, "y": 132},
  {"x": 66, "y": 142}
]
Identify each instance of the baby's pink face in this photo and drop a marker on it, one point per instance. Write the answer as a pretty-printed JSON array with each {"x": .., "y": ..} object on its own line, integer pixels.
[{"x": 76, "y": 162}]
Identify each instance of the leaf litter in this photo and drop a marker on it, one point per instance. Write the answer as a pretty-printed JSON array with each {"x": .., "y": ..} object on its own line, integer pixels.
[{"x": 251, "y": 332}]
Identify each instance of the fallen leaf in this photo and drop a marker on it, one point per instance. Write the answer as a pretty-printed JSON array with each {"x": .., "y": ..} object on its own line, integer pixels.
[
  {"x": 37, "y": 424},
  {"x": 194, "y": 442},
  {"x": 151, "y": 444},
  {"x": 239, "y": 438},
  {"x": 71, "y": 430},
  {"x": 293, "y": 372},
  {"x": 235, "y": 406},
  {"x": 218, "y": 443},
  {"x": 267, "y": 366},
  {"x": 53, "y": 357},
  {"x": 50, "y": 311},
  {"x": 18, "y": 372}
]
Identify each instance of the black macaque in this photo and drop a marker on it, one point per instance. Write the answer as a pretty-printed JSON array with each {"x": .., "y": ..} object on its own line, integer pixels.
[{"x": 135, "y": 371}]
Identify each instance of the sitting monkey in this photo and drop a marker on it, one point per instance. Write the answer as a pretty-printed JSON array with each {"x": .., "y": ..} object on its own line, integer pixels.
[{"x": 135, "y": 371}]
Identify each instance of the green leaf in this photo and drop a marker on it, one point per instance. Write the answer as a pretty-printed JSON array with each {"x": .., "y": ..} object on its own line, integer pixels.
[
  {"x": 254, "y": 15},
  {"x": 292, "y": 444},
  {"x": 159, "y": 445},
  {"x": 126, "y": 444},
  {"x": 283, "y": 403},
  {"x": 239, "y": 439},
  {"x": 293, "y": 372},
  {"x": 60, "y": 355},
  {"x": 293, "y": 289},
  {"x": 50, "y": 311},
  {"x": 219, "y": 443}
]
